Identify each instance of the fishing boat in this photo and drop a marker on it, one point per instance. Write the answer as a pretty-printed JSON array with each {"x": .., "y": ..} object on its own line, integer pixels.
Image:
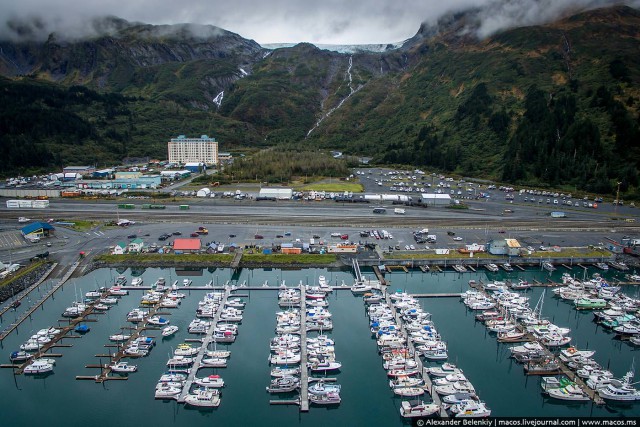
[
  {"x": 38, "y": 367},
  {"x": 117, "y": 291},
  {"x": 331, "y": 398},
  {"x": 212, "y": 381},
  {"x": 320, "y": 387},
  {"x": 283, "y": 385},
  {"x": 520, "y": 285},
  {"x": 555, "y": 340},
  {"x": 123, "y": 367},
  {"x": 186, "y": 282},
  {"x": 203, "y": 398},
  {"x": 408, "y": 391},
  {"x": 510, "y": 336},
  {"x": 620, "y": 390},
  {"x": 417, "y": 408},
  {"x": 169, "y": 330},
  {"x": 572, "y": 352},
  {"x": 548, "y": 266}
]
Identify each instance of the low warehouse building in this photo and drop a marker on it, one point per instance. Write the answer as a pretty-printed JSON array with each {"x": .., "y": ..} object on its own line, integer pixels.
[
  {"x": 187, "y": 245},
  {"x": 37, "y": 229},
  {"x": 435, "y": 199},
  {"x": 510, "y": 247},
  {"x": 276, "y": 193}
]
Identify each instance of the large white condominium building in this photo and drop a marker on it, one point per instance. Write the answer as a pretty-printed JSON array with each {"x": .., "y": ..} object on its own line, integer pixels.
[{"x": 186, "y": 150}]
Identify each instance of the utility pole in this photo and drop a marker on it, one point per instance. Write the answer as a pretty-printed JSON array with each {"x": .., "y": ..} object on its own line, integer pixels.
[{"x": 617, "y": 199}]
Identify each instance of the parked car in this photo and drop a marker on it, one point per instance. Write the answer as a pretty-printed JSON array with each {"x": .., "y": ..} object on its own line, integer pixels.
[
  {"x": 177, "y": 233},
  {"x": 132, "y": 236},
  {"x": 194, "y": 235},
  {"x": 258, "y": 236}
]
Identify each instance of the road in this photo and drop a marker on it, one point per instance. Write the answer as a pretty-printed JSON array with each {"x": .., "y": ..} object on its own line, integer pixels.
[{"x": 243, "y": 219}]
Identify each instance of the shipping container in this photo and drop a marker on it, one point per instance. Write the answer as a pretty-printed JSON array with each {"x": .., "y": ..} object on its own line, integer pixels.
[
  {"x": 40, "y": 204},
  {"x": 126, "y": 206},
  {"x": 184, "y": 207},
  {"x": 13, "y": 203}
]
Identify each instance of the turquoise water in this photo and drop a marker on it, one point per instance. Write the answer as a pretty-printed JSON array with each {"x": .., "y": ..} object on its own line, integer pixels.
[{"x": 365, "y": 394}]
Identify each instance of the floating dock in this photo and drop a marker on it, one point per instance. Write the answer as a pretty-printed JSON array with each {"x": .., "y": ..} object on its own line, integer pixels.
[
  {"x": 304, "y": 372},
  {"x": 379, "y": 275},
  {"x": 120, "y": 354},
  {"x": 416, "y": 356},
  {"x": 208, "y": 339}
]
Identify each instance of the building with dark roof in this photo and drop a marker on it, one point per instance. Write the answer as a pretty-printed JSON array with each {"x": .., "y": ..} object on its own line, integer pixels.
[{"x": 37, "y": 229}]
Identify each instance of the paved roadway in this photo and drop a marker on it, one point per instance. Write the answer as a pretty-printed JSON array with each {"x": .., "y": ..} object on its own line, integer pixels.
[{"x": 484, "y": 220}]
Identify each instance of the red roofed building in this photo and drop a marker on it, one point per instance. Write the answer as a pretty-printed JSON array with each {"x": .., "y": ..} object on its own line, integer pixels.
[{"x": 186, "y": 245}]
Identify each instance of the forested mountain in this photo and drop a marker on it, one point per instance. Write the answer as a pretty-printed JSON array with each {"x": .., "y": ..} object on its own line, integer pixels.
[{"x": 556, "y": 104}]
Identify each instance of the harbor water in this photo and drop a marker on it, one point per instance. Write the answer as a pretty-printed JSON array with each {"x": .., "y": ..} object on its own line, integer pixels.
[{"x": 366, "y": 397}]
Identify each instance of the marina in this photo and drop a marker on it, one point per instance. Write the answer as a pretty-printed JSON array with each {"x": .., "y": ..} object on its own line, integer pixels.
[{"x": 483, "y": 358}]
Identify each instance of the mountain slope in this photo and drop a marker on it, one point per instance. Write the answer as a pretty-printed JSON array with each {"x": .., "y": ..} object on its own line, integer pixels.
[{"x": 556, "y": 104}]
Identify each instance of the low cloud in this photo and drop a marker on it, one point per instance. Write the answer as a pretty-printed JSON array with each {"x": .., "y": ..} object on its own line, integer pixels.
[{"x": 330, "y": 21}]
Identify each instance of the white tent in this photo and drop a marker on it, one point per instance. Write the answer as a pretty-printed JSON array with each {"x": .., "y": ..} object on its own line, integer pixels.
[
  {"x": 278, "y": 193},
  {"x": 203, "y": 192}
]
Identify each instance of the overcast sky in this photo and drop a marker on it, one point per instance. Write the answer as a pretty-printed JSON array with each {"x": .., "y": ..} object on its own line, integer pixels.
[{"x": 273, "y": 21}]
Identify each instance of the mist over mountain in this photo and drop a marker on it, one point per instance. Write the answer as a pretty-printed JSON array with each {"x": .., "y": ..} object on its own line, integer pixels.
[{"x": 474, "y": 92}]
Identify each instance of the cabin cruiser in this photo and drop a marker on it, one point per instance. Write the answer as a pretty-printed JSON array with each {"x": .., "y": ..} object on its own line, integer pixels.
[
  {"x": 284, "y": 372},
  {"x": 418, "y": 408},
  {"x": 212, "y": 381},
  {"x": 214, "y": 362},
  {"x": 38, "y": 367},
  {"x": 165, "y": 391},
  {"x": 408, "y": 391},
  {"x": 186, "y": 350},
  {"x": 137, "y": 281},
  {"x": 157, "y": 320},
  {"x": 321, "y": 387},
  {"x": 330, "y": 398},
  {"x": 123, "y": 367},
  {"x": 470, "y": 409},
  {"x": 203, "y": 398}
]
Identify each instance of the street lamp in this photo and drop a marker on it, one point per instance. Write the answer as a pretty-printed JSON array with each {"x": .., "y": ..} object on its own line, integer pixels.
[{"x": 617, "y": 199}]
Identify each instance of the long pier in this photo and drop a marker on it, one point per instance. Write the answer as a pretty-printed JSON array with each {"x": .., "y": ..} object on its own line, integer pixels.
[
  {"x": 593, "y": 395},
  {"x": 440, "y": 295},
  {"x": 304, "y": 372},
  {"x": 203, "y": 349},
  {"x": 120, "y": 354},
  {"x": 379, "y": 275},
  {"x": 420, "y": 365},
  {"x": 29, "y": 312}
]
